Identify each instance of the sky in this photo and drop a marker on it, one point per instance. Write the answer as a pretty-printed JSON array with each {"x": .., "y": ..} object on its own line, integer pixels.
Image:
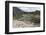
[{"x": 29, "y": 9}]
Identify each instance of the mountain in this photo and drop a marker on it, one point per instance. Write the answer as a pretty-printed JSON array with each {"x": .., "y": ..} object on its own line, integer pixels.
[{"x": 16, "y": 10}]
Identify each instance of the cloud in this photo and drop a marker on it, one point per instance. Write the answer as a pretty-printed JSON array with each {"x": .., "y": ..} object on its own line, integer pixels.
[{"x": 29, "y": 9}]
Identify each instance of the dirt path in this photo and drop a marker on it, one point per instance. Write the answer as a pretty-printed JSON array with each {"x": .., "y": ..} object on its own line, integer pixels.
[{"x": 17, "y": 24}]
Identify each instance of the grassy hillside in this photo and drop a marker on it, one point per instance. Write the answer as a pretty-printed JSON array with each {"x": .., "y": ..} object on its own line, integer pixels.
[{"x": 28, "y": 16}]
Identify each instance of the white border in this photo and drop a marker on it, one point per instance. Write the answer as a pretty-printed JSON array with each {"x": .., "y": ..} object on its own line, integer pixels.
[{"x": 11, "y": 5}]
